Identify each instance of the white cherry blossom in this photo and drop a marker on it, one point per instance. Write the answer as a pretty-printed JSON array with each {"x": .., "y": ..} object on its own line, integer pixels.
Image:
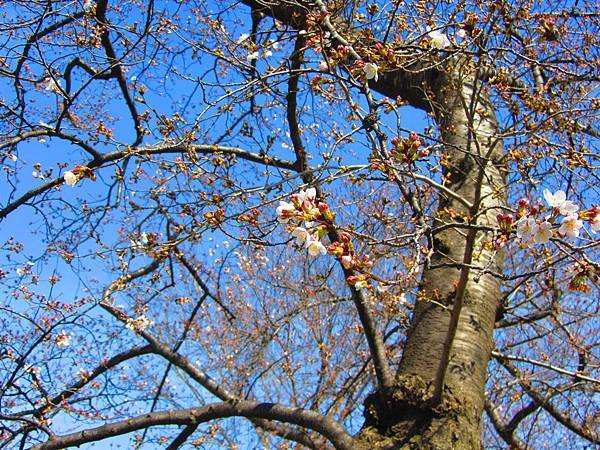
[
  {"x": 53, "y": 86},
  {"x": 138, "y": 325},
  {"x": 301, "y": 234},
  {"x": 559, "y": 201},
  {"x": 544, "y": 233},
  {"x": 285, "y": 211},
  {"x": 570, "y": 226},
  {"x": 315, "y": 247},
  {"x": 527, "y": 229},
  {"x": 438, "y": 40},
  {"x": 63, "y": 339},
  {"x": 70, "y": 178},
  {"x": 362, "y": 284},
  {"x": 371, "y": 71},
  {"x": 307, "y": 197}
]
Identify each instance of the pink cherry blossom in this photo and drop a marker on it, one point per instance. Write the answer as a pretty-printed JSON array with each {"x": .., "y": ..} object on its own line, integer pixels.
[{"x": 347, "y": 261}]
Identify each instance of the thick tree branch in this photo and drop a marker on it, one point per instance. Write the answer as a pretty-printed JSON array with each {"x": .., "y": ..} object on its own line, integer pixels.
[
  {"x": 99, "y": 370},
  {"x": 106, "y": 158},
  {"x": 240, "y": 408},
  {"x": 191, "y": 369},
  {"x": 409, "y": 81}
]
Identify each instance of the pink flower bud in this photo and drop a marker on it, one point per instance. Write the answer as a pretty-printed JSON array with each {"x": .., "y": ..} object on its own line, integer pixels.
[
  {"x": 347, "y": 261},
  {"x": 345, "y": 236}
]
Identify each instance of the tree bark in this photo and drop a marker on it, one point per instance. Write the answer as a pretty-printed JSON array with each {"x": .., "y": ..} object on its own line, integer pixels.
[
  {"x": 436, "y": 347},
  {"x": 450, "y": 339}
]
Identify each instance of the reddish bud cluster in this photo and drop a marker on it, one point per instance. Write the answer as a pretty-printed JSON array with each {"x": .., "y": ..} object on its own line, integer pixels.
[
  {"x": 407, "y": 150},
  {"x": 585, "y": 273},
  {"x": 358, "y": 281},
  {"x": 522, "y": 207},
  {"x": 215, "y": 218},
  {"x": 340, "y": 53},
  {"x": 84, "y": 172},
  {"x": 548, "y": 30},
  {"x": 315, "y": 19},
  {"x": 505, "y": 223}
]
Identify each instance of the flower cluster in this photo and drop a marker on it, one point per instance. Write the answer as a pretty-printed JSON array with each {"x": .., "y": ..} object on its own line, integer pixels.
[
  {"x": 531, "y": 230},
  {"x": 303, "y": 216},
  {"x": 63, "y": 339},
  {"x": 308, "y": 221},
  {"x": 254, "y": 52},
  {"x": 138, "y": 325}
]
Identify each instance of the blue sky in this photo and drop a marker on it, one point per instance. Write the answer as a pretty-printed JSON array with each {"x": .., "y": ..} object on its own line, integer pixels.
[{"x": 179, "y": 84}]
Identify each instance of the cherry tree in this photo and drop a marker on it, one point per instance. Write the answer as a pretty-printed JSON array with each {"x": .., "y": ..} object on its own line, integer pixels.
[{"x": 353, "y": 225}]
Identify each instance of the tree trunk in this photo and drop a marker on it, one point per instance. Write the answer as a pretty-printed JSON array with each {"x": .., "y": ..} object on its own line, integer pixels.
[
  {"x": 415, "y": 419},
  {"x": 450, "y": 339}
]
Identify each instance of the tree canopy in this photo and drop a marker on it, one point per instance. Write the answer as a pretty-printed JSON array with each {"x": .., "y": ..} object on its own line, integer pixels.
[{"x": 335, "y": 224}]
